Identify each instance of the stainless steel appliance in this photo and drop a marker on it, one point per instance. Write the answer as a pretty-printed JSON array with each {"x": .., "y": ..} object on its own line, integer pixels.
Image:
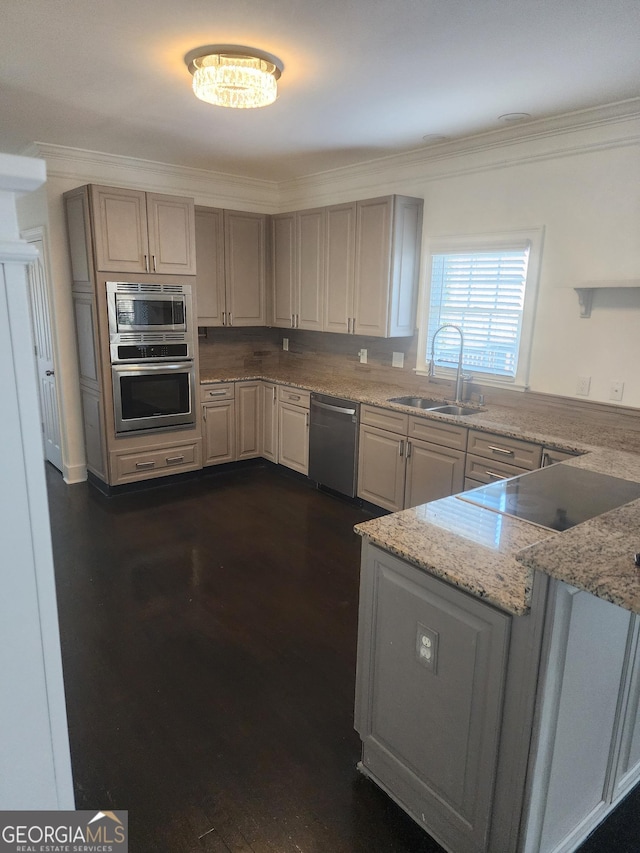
[
  {"x": 153, "y": 396},
  {"x": 150, "y": 315},
  {"x": 333, "y": 443},
  {"x": 557, "y": 497},
  {"x": 151, "y": 344}
]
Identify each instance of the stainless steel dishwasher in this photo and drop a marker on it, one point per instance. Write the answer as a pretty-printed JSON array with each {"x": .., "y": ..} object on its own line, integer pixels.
[{"x": 333, "y": 443}]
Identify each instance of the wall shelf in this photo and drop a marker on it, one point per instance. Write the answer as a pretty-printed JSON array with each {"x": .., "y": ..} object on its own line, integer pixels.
[{"x": 585, "y": 292}]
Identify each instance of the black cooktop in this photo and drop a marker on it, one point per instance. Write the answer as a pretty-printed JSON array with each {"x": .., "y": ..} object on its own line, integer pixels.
[{"x": 557, "y": 497}]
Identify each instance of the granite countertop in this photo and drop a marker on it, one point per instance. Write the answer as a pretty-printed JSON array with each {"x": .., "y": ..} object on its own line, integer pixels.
[
  {"x": 549, "y": 428},
  {"x": 483, "y": 552}
]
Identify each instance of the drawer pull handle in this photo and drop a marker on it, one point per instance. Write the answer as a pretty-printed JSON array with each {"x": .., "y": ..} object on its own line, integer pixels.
[
  {"x": 502, "y": 450},
  {"x": 217, "y": 393},
  {"x": 495, "y": 476},
  {"x": 173, "y": 460},
  {"x": 293, "y": 396},
  {"x": 143, "y": 465}
]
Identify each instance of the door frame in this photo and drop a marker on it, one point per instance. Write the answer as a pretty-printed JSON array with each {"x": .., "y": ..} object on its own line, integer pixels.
[{"x": 38, "y": 233}]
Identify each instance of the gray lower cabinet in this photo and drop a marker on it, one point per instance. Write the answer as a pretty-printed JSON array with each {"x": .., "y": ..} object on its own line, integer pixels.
[
  {"x": 496, "y": 733},
  {"x": 430, "y": 681}
]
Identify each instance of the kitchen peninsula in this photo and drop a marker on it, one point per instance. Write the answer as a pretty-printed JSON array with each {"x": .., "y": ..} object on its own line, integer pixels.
[{"x": 497, "y": 694}]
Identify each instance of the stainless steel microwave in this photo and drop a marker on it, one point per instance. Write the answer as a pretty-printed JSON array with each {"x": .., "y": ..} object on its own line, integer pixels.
[{"x": 148, "y": 308}]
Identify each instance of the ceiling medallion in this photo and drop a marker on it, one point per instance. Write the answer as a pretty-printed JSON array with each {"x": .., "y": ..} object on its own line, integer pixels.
[{"x": 230, "y": 75}]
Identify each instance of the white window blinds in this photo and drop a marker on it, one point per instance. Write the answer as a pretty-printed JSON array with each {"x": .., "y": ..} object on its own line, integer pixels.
[{"x": 482, "y": 293}]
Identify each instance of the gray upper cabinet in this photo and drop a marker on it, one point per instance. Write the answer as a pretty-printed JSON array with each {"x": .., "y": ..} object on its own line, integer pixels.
[
  {"x": 349, "y": 268},
  {"x": 231, "y": 279},
  {"x": 210, "y": 265},
  {"x": 387, "y": 262},
  {"x": 138, "y": 232},
  {"x": 298, "y": 260},
  {"x": 340, "y": 268},
  {"x": 283, "y": 268}
]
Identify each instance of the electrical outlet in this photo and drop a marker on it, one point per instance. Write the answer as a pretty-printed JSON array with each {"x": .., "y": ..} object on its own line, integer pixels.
[
  {"x": 363, "y": 356},
  {"x": 616, "y": 389},
  {"x": 397, "y": 359},
  {"x": 583, "y": 385},
  {"x": 285, "y": 344}
]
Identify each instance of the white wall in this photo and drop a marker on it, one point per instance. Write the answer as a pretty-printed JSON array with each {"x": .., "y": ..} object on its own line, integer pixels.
[{"x": 577, "y": 176}]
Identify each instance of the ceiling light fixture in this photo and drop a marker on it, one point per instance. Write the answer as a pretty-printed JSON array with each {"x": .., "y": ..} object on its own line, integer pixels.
[{"x": 229, "y": 75}]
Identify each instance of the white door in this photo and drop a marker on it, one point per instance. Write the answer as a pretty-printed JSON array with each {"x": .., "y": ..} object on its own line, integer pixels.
[{"x": 41, "y": 322}]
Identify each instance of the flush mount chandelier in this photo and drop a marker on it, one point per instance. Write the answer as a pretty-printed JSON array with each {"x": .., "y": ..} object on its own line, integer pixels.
[{"x": 229, "y": 75}]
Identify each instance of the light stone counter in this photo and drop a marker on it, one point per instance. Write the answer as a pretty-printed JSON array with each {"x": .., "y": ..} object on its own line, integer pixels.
[
  {"x": 468, "y": 546},
  {"x": 487, "y": 554},
  {"x": 549, "y": 428}
]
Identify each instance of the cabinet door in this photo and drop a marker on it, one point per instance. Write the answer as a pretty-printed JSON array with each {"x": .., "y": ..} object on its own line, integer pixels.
[
  {"x": 120, "y": 224},
  {"x": 432, "y": 472},
  {"x": 310, "y": 243},
  {"x": 381, "y": 467},
  {"x": 293, "y": 437},
  {"x": 210, "y": 298},
  {"x": 430, "y": 681},
  {"x": 627, "y": 771},
  {"x": 248, "y": 421},
  {"x": 245, "y": 267},
  {"x": 373, "y": 266},
  {"x": 172, "y": 241},
  {"x": 340, "y": 268},
  {"x": 405, "y": 266},
  {"x": 218, "y": 429},
  {"x": 283, "y": 268},
  {"x": 269, "y": 413}
]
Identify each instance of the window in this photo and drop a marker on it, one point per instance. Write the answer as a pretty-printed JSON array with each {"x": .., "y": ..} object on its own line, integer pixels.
[{"x": 486, "y": 287}]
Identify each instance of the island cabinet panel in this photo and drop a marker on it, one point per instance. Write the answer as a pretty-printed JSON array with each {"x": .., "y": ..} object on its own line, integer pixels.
[
  {"x": 430, "y": 682},
  {"x": 587, "y": 713},
  {"x": 627, "y": 769}
]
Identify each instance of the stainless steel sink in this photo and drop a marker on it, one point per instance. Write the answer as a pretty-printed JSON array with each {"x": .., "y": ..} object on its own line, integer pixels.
[
  {"x": 416, "y": 402},
  {"x": 455, "y": 410}
]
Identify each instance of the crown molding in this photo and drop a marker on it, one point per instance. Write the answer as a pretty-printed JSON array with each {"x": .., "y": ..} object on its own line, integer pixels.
[
  {"x": 610, "y": 126},
  {"x": 582, "y": 131},
  {"x": 211, "y": 188}
]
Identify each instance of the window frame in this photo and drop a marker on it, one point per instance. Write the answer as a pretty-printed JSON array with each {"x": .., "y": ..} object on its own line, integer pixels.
[{"x": 476, "y": 243}]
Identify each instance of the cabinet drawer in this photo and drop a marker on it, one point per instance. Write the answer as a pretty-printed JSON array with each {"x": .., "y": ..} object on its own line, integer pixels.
[
  {"x": 523, "y": 454},
  {"x": 384, "y": 419},
  {"x": 446, "y": 435},
  {"x": 490, "y": 470},
  {"x": 167, "y": 460},
  {"x": 295, "y": 396},
  {"x": 219, "y": 391}
]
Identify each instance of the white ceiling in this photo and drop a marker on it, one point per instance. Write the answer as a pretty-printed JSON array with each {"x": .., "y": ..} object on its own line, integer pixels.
[{"x": 362, "y": 78}]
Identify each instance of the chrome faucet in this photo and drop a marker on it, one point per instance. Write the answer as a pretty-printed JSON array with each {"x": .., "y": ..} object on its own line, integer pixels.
[{"x": 432, "y": 363}]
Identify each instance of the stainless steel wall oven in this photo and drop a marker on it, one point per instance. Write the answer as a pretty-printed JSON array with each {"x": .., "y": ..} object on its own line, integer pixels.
[{"x": 151, "y": 344}]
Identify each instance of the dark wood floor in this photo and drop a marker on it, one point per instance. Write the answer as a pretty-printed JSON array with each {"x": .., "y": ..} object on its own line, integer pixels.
[{"x": 208, "y": 639}]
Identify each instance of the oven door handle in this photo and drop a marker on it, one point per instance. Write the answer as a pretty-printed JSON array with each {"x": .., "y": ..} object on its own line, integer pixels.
[{"x": 147, "y": 367}]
